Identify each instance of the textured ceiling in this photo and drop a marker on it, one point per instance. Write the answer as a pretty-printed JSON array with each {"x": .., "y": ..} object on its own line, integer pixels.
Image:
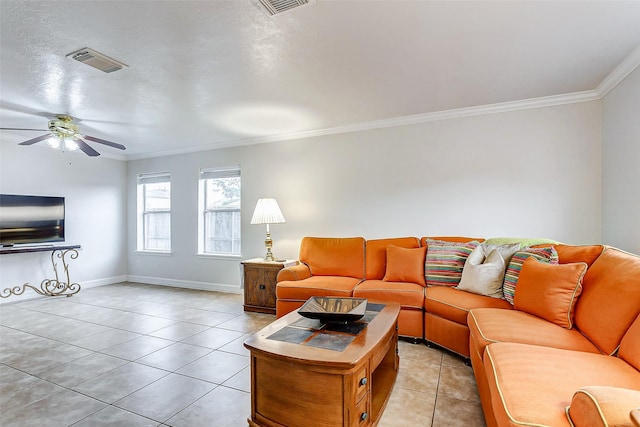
[{"x": 218, "y": 73}]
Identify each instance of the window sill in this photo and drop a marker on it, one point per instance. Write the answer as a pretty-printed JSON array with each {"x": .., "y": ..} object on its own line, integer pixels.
[
  {"x": 220, "y": 257},
  {"x": 160, "y": 253}
]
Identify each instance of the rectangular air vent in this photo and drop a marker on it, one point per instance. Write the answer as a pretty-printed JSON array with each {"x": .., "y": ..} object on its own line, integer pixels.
[
  {"x": 278, "y": 6},
  {"x": 96, "y": 60}
]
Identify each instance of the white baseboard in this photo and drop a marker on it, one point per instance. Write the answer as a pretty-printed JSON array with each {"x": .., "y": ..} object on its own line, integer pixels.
[
  {"x": 187, "y": 284},
  {"x": 101, "y": 282}
]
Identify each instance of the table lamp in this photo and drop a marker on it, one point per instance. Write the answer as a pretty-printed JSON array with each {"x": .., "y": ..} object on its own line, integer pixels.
[{"x": 267, "y": 212}]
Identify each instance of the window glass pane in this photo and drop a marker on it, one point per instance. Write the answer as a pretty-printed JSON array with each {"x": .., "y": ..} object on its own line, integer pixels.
[
  {"x": 222, "y": 232},
  {"x": 157, "y": 196},
  {"x": 222, "y": 193},
  {"x": 157, "y": 226}
]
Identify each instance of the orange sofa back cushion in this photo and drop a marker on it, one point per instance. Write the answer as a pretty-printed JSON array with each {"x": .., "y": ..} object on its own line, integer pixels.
[
  {"x": 610, "y": 299},
  {"x": 586, "y": 253},
  {"x": 376, "y": 253},
  {"x": 333, "y": 256}
]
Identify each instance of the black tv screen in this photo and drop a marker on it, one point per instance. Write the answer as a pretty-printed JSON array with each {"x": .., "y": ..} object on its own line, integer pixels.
[{"x": 31, "y": 219}]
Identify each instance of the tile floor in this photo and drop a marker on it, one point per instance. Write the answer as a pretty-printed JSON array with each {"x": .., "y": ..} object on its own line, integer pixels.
[{"x": 142, "y": 355}]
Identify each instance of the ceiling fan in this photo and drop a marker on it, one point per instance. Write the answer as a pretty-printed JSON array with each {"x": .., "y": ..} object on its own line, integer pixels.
[{"x": 63, "y": 134}]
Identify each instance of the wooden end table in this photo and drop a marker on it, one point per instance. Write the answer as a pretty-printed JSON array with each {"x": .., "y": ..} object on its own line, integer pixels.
[
  {"x": 297, "y": 385},
  {"x": 260, "y": 278}
]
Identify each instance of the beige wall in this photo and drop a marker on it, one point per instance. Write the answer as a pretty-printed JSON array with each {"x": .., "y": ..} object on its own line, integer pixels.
[
  {"x": 94, "y": 191},
  {"x": 529, "y": 173},
  {"x": 621, "y": 165}
]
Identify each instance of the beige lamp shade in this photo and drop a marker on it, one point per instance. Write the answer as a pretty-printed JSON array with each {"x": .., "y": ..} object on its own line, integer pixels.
[{"x": 267, "y": 212}]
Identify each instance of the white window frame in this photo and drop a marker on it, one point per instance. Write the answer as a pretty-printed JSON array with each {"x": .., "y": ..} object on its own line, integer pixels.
[
  {"x": 208, "y": 174},
  {"x": 143, "y": 179}
]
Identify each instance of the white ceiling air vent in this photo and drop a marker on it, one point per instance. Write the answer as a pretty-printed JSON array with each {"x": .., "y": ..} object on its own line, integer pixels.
[
  {"x": 96, "y": 60},
  {"x": 278, "y": 6}
]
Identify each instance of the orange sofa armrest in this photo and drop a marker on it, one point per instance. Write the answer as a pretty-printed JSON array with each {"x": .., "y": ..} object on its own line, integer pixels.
[
  {"x": 295, "y": 272},
  {"x": 596, "y": 406}
]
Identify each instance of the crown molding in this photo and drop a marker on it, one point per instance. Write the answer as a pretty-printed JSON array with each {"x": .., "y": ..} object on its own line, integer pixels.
[
  {"x": 502, "y": 107},
  {"x": 630, "y": 63}
]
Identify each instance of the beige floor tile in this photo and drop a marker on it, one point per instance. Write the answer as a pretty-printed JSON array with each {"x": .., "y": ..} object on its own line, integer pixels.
[
  {"x": 18, "y": 389},
  {"x": 216, "y": 367},
  {"x": 137, "y": 347},
  {"x": 408, "y": 408},
  {"x": 222, "y": 407},
  {"x": 165, "y": 397},
  {"x": 416, "y": 376},
  {"x": 109, "y": 338},
  {"x": 213, "y": 338},
  {"x": 56, "y": 410},
  {"x": 452, "y": 412},
  {"x": 457, "y": 381},
  {"x": 236, "y": 346},
  {"x": 112, "y": 417},
  {"x": 40, "y": 360},
  {"x": 80, "y": 370},
  {"x": 179, "y": 331},
  {"x": 240, "y": 381},
  {"x": 248, "y": 322},
  {"x": 120, "y": 382},
  {"x": 174, "y": 356}
]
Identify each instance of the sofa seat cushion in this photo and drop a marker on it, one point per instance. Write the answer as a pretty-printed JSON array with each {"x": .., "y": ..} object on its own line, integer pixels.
[
  {"x": 490, "y": 325},
  {"x": 454, "y": 304},
  {"x": 404, "y": 293},
  {"x": 533, "y": 385},
  {"x": 317, "y": 286}
]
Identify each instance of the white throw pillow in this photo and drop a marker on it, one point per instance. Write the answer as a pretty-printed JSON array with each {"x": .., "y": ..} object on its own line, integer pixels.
[{"x": 483, "y": 272}]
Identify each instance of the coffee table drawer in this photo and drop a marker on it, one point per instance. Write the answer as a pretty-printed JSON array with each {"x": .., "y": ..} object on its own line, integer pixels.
[{"x": 361, "y": 382}]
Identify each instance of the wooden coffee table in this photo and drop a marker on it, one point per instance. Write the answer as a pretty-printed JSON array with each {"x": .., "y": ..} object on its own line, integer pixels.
[{"x": 299, "y": 385}]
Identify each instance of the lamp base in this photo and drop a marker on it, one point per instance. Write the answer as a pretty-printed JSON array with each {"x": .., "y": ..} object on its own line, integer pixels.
[{"x": 268, "y": 243}]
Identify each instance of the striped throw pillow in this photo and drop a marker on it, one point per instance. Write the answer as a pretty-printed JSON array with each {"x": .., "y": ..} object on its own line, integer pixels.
[
  {"x": 445, "y": 261},
  {"x": 548, "y": 255}
]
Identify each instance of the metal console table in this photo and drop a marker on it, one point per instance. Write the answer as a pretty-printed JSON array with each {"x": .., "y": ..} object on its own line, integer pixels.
[{"x": 48, "y": 287}]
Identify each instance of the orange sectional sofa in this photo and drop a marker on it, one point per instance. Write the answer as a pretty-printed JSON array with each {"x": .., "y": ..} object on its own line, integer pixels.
[{"x": 554, "y": 355}]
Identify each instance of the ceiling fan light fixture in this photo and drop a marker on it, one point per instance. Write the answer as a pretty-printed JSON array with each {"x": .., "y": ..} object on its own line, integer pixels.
[
  {"x": 54, "y": 142},
  {"x": 70, "y": 144}
]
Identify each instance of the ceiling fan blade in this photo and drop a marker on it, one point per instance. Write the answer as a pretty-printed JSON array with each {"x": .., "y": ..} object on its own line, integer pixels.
[
  {"x": 105, "y": 142},
  {"x": 85, "y": 147},
  {"x": 34, "y": 140},
  {"x": 37, "y": 130}
]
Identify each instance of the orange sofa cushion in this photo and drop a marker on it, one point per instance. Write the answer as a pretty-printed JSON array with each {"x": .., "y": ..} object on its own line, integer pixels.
[
  {"x": 376, "y": 254},
  {"x": 578, "y": 253},
  {"x": 454, "y": 305},
  {"x": 333, "y": 256},
  {"x": 404, "y": 293},
  {"x": 630, "y": 346},
  {"x": 405, "y": 265},
  {"x": 490, "y": 325},
  {"x": 610, "y": 300},
  {"x": 316, "y": 286},
  {"x": 600, "y": 406},
  {"x": 550, "y": 291},
  {"x": 533, "y": 385}
]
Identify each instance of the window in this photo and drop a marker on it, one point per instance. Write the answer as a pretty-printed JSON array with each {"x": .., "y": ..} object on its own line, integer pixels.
[
  {"x": 219, "y": 207},
  {"x": 154, "y": 212}
]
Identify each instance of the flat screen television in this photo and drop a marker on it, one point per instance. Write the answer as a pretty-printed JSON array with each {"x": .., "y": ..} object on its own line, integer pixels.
[{"x": 31, "y": 219}]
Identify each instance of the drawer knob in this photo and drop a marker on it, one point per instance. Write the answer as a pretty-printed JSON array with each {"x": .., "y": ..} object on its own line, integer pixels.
[
  {"x": 261, "y": 287},
  {"x": 364, "y": 416},
  {"x": 363, "y": 381}
]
